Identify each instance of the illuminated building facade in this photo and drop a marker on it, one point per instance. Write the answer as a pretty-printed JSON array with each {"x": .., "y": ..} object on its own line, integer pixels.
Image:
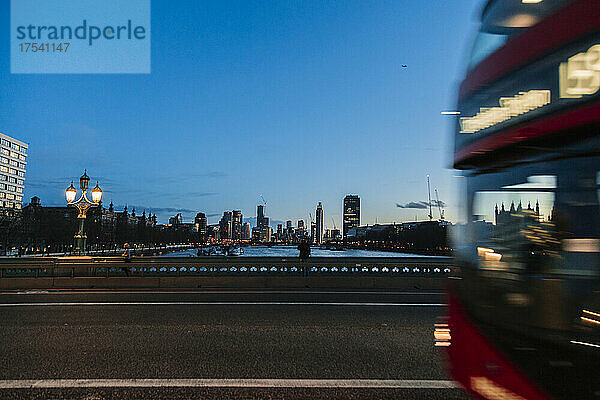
[
  {"x": 236, "y": 225},
  {"x": 13, "y": 153},
  {"x": 201, "y": 223},
  {"x": 351, "y": 213}
]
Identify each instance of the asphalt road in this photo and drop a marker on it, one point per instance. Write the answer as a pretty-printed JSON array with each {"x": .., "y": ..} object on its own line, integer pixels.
[{"x": 198, "y": 344}]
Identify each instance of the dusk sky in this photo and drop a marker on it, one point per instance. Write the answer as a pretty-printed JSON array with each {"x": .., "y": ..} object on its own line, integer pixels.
[{"x": 300, "y": 101}]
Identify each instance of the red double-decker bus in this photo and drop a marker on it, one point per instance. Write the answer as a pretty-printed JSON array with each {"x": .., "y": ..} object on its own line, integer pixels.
[{"x": 524, "y": 308}]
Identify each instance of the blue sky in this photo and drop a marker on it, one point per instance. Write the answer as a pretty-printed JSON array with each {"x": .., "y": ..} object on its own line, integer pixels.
[{"x": 300, "y": 101}]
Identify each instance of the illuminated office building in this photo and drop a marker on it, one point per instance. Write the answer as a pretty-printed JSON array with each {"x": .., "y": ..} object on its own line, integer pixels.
[
  {"x": 236, "y": 224},
  {"x": 351, "y": 213},
  {"x": 200, "y": 223},
  {"x": 13, "y": 153}
]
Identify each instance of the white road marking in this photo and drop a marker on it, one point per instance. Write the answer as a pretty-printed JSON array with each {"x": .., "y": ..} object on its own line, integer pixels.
[
  {"x": 221, "y": 303},
  {"x": 585, "y": 343},
  {"x": 215, "y": 291},
  {"x": 240, "y": 383}
]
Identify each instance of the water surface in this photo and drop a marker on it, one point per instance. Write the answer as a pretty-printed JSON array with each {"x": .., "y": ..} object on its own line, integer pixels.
[{"x": 292, "y": 251}]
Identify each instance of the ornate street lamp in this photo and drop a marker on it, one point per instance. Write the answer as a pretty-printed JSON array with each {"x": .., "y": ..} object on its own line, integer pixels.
[{"x": 82, "y": 204}]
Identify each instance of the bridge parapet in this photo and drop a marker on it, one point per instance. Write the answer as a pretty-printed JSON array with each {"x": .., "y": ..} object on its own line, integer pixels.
[{"x": 223, "y": 266}]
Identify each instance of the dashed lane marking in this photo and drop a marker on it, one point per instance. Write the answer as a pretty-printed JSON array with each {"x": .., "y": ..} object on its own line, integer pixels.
[{"x": 239, "y": 383}]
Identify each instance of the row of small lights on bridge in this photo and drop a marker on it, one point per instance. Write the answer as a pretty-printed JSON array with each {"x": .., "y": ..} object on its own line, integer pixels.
[{"x": 272, "y": 269}]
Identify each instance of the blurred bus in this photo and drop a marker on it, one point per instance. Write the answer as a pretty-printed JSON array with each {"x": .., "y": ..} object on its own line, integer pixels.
[{"x": 524, "y": 308}]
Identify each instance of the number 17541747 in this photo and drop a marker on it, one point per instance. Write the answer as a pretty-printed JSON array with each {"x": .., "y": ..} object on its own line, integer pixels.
[{"x": 61, "y": 47}]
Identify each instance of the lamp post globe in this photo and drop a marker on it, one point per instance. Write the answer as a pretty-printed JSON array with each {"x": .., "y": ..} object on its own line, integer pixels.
[
  {"x": 70, "y": 193},
  {"x": 84, "y": 181},
  {"x": 96, "y": 194}
]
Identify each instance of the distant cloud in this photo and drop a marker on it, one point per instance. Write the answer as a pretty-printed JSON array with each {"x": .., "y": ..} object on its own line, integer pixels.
[
  {"x": 194, "y": 177},
  {"x": 421, "y": 205},
  {"x": 212, "y": 174},
  {"x": 62, "y": 182},
  {"x": 48, "y": 184},
  {"x": 438, "y": 203},
  {"x": 200, "y": 194}
]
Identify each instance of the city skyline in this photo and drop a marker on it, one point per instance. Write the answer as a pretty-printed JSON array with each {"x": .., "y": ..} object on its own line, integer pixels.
[
  {"x": 312, "y": 96},
  {"x": 350, "y": 216},
  {"x": 189, "y": 214}
]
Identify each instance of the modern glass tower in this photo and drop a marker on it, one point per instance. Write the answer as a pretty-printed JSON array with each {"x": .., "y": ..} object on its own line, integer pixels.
[
  {"x": 260, "y": 216},
  {"x": 351, "y": 213},
  {"x": 320, "y": 229}
]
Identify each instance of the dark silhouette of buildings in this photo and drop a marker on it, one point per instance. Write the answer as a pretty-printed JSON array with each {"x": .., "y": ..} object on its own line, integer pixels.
[
  {"x": 427, "y": 237},
  {"x": 50, "y": 229}
]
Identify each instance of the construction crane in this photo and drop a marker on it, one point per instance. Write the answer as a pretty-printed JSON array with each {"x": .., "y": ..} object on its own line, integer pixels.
[
  {"x": 429, "y": 194},
  {"x": 263, "y": 200},
  {"x": 437, "y": 197}
]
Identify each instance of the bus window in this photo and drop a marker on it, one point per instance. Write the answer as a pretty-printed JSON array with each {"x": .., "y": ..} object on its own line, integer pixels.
[{"x": 514, "y": 225}]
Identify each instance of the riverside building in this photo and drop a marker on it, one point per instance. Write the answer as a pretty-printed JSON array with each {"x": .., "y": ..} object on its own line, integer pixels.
[
  {"x": 13, "y": 153},
  {"x": 351, "y": 213}
]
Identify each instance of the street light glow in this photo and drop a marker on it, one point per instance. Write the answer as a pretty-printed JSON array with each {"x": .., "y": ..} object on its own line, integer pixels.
[
  {"x": 71, "y": 193},
  {"x": 82, "y": 205},
  {"x": 96, "y": 194}
]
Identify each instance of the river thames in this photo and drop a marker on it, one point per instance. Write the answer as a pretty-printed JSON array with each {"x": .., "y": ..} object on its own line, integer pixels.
[{"x": 292, "y": 251}]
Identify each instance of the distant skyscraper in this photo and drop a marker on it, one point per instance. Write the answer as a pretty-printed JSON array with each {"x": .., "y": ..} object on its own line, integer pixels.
[
  {"x": 256, "y": 234},
  {"x": 260, "y": 216},
  {"x": 225, "y": 225},
  {"x": 246, "y": 231},
  {"x": 320, "y": 229},
  {"x": 279, "y": 231},
  {"x": 12, "y": 172},
  {"x": 300, "y": 230},
  {"x": 351, "y": 213},
  {"x": 200, "y": 223},
  {"x": 236, "y": 225},
  {"x": 262, "y": 223}
]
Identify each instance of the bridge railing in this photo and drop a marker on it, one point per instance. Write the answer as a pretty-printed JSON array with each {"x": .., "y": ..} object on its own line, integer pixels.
[{"x": 39, "y": 267}]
